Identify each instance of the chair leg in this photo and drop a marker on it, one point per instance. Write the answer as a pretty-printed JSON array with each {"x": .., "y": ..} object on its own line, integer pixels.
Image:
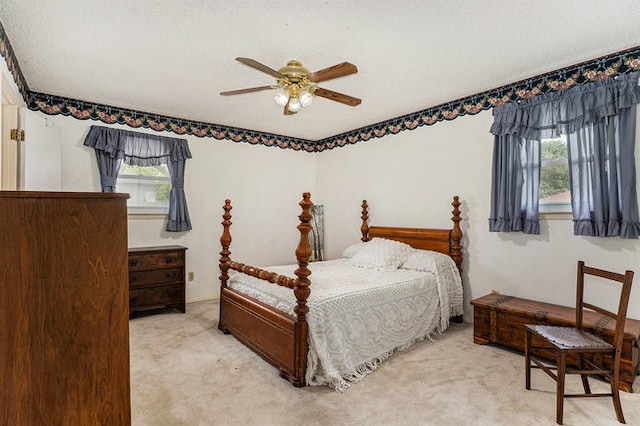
[
  {"x": 615, "y": 393},
  {"x": 527, "y": 360},
  {"x": 561, "y": 364},
  {"x": 584, "y": 377}
]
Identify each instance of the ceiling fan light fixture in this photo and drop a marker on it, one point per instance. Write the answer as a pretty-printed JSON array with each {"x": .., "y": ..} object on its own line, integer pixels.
[
  {"x": 294, "y": 104},
  {"x": 281, "y": 97},
  {"x": 297, "y": 86},
  {"x": 306, "y": 98}
]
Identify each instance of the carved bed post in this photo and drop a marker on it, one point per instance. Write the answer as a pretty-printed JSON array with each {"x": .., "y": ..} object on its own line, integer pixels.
[
  {"x": 225, "y": 261},
  {"x": 302, "y": 291},
  {"x": 364, "y": 228},
  {"x": 456, "y": 234},
  {"x": 303, "y": 254},
  {"x": 225, "y": 240}
]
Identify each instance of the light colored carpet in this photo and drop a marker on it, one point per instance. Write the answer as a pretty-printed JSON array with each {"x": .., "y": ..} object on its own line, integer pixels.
[{"x": 184, "y": 371}]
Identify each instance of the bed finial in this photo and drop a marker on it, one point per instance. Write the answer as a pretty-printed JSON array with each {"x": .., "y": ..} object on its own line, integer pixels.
[
  {"x": 225, "y": 240},
  {"x": 456, "y": 233},
  {"x": 364, "y": 228},
  {"x": 303, "y": 254}
]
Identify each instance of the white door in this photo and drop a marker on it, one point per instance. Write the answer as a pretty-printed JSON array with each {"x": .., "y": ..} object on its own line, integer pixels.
[{"x": 9, "y": 152}]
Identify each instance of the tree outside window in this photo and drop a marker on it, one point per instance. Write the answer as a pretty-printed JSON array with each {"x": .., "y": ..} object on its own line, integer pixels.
[
  {"x": 555, "y": 195},
  {"x": 148, "y": 187}
]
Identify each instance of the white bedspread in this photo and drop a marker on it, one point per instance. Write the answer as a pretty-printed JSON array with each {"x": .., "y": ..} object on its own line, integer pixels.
[{"x": 358, "y": 317}]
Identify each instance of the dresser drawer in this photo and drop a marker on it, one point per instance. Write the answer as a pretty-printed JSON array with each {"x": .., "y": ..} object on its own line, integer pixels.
[
  {"x": 166, "y": 295},
  {"x": 168, "y": 259},
  {"x": 155, "y": 277}
]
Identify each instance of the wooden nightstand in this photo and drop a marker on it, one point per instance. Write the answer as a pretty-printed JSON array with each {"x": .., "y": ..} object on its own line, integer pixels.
[{"x": 157, "y": 278}]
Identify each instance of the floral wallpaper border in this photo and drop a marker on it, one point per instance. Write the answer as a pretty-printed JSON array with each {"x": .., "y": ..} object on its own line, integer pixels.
[
  {"x": 601, "y": 68},
  {"x": 6, "y": 51},
  {"x": 82, "y": 110},
  {"x": 598, "y": 69}
]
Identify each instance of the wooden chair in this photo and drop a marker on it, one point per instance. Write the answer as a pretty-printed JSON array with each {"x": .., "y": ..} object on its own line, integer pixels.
[{"x": 585, "y": 347}]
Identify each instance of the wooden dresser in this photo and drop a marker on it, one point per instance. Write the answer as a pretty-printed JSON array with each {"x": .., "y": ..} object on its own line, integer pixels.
[
  {"x": 157, "y": 278},
  {"x": 498, "y": 318},
  {"x": 64, "y": 323}
]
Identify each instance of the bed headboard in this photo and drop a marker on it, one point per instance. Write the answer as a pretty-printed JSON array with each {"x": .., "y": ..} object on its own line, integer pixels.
[{"x": 447, "y": 241}]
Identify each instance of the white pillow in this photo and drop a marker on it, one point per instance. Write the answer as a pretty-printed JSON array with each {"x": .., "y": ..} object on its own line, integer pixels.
[
  {"x": 424, "y": 260},
  {"x": 353, "y": 249},
  {"x": 381, "y": 254}
]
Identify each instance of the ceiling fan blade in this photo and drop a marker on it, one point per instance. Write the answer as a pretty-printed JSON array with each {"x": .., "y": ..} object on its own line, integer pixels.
[
  {"x": 335, "y": 71},
  {"x": 260, "y": 67},
  {"x": 338, "y": 97},
  {"x": 249, "y": 90}
]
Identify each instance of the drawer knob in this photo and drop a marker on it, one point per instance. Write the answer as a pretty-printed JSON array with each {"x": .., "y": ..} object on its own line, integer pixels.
[
  {"x": 168, "y": 259},
  {"x": 133, "y": 263}
]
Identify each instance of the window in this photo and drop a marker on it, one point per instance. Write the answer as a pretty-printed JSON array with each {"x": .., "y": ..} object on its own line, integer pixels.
[
  {"x": 599, "y": 121},
  {"x": 555, "y": 195},
  {"x": 147, "y": 151},
  {"x": 148, "y": 187}
]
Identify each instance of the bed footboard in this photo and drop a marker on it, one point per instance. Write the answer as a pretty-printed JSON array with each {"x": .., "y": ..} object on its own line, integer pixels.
[
  {"x": 270, "y": 333},
  {"x": 279, "y": 338}
]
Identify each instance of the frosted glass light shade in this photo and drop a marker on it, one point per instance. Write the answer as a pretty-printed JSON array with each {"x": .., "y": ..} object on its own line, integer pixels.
[
  {"x": 306, "y": 98},
  {"x": 294, "y": 104},
  {"x": 281, "y": 98}
]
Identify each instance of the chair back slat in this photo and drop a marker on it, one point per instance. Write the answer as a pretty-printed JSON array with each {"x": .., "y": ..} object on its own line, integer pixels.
[
  {"x": 599, "y": 310},
  {"x": 614, "y": 276}
]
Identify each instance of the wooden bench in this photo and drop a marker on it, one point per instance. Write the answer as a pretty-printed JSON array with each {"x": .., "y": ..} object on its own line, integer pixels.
[{"x": 500, "y": 319}]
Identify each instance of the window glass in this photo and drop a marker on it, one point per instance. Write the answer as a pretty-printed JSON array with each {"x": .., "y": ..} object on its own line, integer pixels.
[
  {"x": 555, "y": 193},
  {"x": 148, "y": 187}
]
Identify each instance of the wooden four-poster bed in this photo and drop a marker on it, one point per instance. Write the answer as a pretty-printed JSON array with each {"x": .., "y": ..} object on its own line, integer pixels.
[{"x": 283, "y": 338}]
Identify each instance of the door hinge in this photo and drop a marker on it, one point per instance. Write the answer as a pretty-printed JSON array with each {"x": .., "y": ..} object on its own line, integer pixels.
[{"x": 17, "y": 135}]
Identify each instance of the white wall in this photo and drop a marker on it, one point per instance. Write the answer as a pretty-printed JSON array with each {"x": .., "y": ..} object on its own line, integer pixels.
[
  {"x": 264, "y": 185},
  {"x": 409, "y": 180},
  {"x": 40, "y": 157}
]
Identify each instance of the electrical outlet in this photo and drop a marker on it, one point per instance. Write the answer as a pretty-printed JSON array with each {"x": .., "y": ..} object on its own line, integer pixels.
[{"x": 190, "y": 276}]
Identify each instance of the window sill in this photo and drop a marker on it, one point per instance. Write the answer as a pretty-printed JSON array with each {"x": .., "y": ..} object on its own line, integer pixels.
[
  {"x": 147, "y": 215},
  {"x": 556, "y": 216}
]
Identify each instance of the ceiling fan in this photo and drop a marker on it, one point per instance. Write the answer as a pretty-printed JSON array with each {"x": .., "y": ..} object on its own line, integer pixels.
[{"x": 297, "y": 86}]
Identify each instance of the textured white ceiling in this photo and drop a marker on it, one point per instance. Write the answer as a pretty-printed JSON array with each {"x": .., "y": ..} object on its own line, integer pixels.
[{"x": 174, "y": 57}]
